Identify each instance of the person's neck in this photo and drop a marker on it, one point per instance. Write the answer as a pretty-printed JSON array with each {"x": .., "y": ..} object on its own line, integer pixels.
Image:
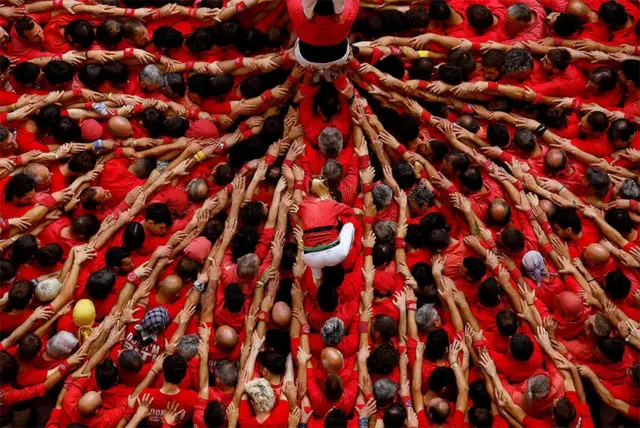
[
  {"x": 591, "y": 16},
  {"x": 632, "y": 236},
  {"x": 170, "y": 388},
  {"x": 67, "y": 233},
  {"x": 454, "y": 19}
]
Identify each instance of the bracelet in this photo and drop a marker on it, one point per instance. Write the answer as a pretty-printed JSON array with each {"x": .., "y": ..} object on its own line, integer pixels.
[
  {"x": 299, "y": 185},
  {"x": 188, "y": 66},
  {"x": 264, "y": 316},
  {"x": 129, "y": 12},
  {"x": 425, "y": 116},
  {"x": 576, "y": 104},
  {"x": 423, "y": 54},
  {"x": 592, "y": 279},
  {"x": 133, "y": 278},
  {"x": 397, "y": 51},
  {"x": 64, "y": 367},
  {"x": 193, "y": 113},
  {"x": 493, "y": 86},
  {"x": 368, "y": 251},
  {"x": 400, "y": 244},
  {"x": 539, "y": 99},
  {"x": 267, "y": 96},
  {"x": 192, "y": 12},
  {"x": 57, "y": 4},
  {"x": 364, "y": 161},
  {"x": 369, "y": 219},
  {"x": 363, "y": 327},
  {"x": 476, "y": 46},
  {"x": 98, "y": 145},
  {"x": 455, "y": 363},
  {"x": 561, "y": 188},
  {"x": 401, "y": 149},
  {"x": 259, "y": 284},
  {"x": 200, "y": 156},
  {"x": 77, "y": 92},
  {"x": 541, "y": 129},
  {"x": 241, "y": 7},
  {"x": 128, "y": 52},
  {"x": 412, "y": 306},
  {"x": 305, "y": 329},
  {"x": 367, "y": 187},
  {"x": 355, "y": 65}
]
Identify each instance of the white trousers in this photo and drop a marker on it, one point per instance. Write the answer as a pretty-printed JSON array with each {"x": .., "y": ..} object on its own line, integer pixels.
[
  {"x": 323, "y": 67},
  {"x": 331, "y": 256}
]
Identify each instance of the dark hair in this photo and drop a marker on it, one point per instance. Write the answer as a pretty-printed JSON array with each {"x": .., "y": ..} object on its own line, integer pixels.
[
  {"x": 85, "y": 226},
  {"x": 564, "y": 412},
  {"x": 25, "y": 23},
  {"x": 421, "y": 68},
  {"x": 439, "y": 10},
  {"x": 133, "y": 236},
  {"x": 512, "y": 238},
  {"x": 58, "y": 72},
  {"x": 442, "y": 378},
  {"x": 24, "y": 249},
  {"x": 385, "y": 326},
  {"x": 252, "y": 213},
  {"x": 8, "y": 269},
  {"x": 199, "y": 84},
  {"x": 391, "y": 65},
  {"x": 598, "y": 121},
  {"x": 106, "y": 374},
  {"x": 336, "y": 418},
  {"x": 471, "y": 179},
  {"x": 109, "y": 33},
  {"x": 384, "y": 359},
  {"x": 18, "y": 186},
  {"x": 221, "y": 84},
  {"x": 464, "y": 60},
  {"x": 26, "y": 73},
  {"x": 166, "y": 37},
  {"x": 130, "y": 360},
  {"x": 176, "y": 126},
  {"x": 233, "y": 298},
  {"x": 480, "y": 416},
  {"x": 115, "y": 255},
  {"x": 403, "y": 174},
  {"x": 91, "y": 75},
  {"x": 566, "y": 24},
  {"x": 29, "y": 346},
  {"x": 199, "y": 40},
  {"x": 525, "y": 140},
  {"x": 613, "y": 14},
  {"x": 174, "y": 368},
  {"x": 175, "y": 83},
  {"x": 621, "y": 129},
  {"x": 631, "y": 69},
  {"x": 272, "y": 361},
  {"x": 599, "y": 180},
  {"x": 80, "y": 33},
  {"x": 612, "y": 348},
  {"x": 567, "y": 218},
  {"x": 489, "y": 293},
  {"x": 436, "y": 345},
  {"x": 606, "y": 78},
  {"x": 214, "y": 414},
  {"x": 498, "y": 135},
  {"x": 617, "y": 285},
  {"x": 327, "y": 297},
  {"x": 100, "y": 283},
  {"x": 244, "y": 242},
  {"x": 479, "y": 17},
  {"x": 20, "y": 294},
  {"x": 507, "y": 322},
  {"x": 493, "y": 58},
  {"x": 115, "y": 72},
  {"x": 450, "y": 74},
  {"x": 158, "y": 212},
  {"x": 620, "y": 220},
  {"x": 48, "y": 255},
  {"x": 468, "y": 122},
  {"x": 475, "y": 267},
  {"x": 80, "y": 162},
  {"x": 394, "y": 416},
  {"x": 560, "y": 58},
  {"x": 9, "y": 367},
  {"x": 326, "y": 101},
  {"x": 417, "y": 17},
  {"x": 521, "y": 347}
]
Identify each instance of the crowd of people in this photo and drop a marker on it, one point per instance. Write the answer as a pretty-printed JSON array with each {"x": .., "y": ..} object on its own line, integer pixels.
[{"x": 319, "y": 213}]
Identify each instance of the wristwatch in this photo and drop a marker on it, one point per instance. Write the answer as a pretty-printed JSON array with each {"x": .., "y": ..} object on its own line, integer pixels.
[{"x": 199, "y": 285}]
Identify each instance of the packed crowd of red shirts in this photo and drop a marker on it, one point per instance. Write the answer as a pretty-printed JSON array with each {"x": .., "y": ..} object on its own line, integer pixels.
[{"x": 198, "y": 227}]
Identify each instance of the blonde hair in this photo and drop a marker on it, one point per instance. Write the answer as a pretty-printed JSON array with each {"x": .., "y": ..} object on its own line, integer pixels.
[
  {"x": 320, "y": 189},
  {"x": 261, "y": 394}
]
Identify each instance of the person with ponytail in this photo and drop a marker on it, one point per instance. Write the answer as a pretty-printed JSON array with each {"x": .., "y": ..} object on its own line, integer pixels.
[{"x": 322, "y": 244}]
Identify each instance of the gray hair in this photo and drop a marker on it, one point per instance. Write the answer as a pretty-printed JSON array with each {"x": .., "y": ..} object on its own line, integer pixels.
[
  {"x": 517, "y": 60},
  {"x": 384, "y": 390},
  {"x": 198, "y": 189},
  {"x": 261, "y": 394},
  {"x": 332, "y": 331},
  {"x": 600, "y": 326},
  {"x": 61, "y": 345},
  {"x": 31, "y": 171},
  {"x": 382, "y": 196},
  {"x": 537, "y": 388},
  {"x": 247, "y": 265},
  {"x": 520, "y": 12},
  {"x": 151, "y": 75},
  {"x": 385, "y": 231},
  {"x": 48, "y": 289},
  {"x": 330, "y": 142},
  {"x": 629, "y": 189},
  {"x": 188, "y": 346},
  {"x": 227, "y": 372},
  {"x": 426, "y": 316},
  {"x": 421, "y": 195}
]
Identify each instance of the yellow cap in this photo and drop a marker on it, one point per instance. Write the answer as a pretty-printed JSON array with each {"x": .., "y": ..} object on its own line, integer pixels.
[{"x": 84, "y": 313}]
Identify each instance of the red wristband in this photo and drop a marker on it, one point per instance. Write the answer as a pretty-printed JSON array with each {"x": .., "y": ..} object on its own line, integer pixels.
[
  {"x": 305, "y": 329},
  {"x": 288, "y": 162},
  {"x": 539, "y": 99},
  {"x": 57, "y": 4},
  {"x": 367, "y": 187},
  {"x": 547, "y": 248},
  {"x": 364, "y": 162},
  {"x": 188, "y": 66},
  {"x": 192, "y": 12},
  {"x": 270, "y": 159},
  {"x": 376, "y": 55},
  {"x": 129, "y": 12},
  {"x": 138, "y": 108},
  {"x": 133, "y": 278},
  {"x": 241, "y": 6},
  {"x": 88, "y": 105},
  {"x": 425, "y": 116},
  {"x": 546, "y": 227},
  {"x": 423, "y": 84},
  {"x": 401, "y": 149},
  {"x": 355, "y": 65},
  {"x": 193, "y": 113},
  {"x": 63, "y": 368},
  {"x": 400, "y": 243},
  {"x": 412, "y": 305},
  {"x": 341, "y": 82},
  {"x": 157, "y": 57},
  {"x": 576, "y": 104},
  {"x": 633, "y": 205},
  {"x": 368, "y": 251},
  {"x": 369, "y": 219},
  {"x": 299, "y": 185},
  {"x": 229, "y": 188},
  {"x": 17, "y": 160},
  {"x": 363, "y": 327},
  {"x": 77, "y": 91},
  {"x": 630, "y": 245},
  {"x": 238, "y": 62},
  {"x": 267, "y": 96},
  {"x": 476, "y": 46},
  {"x": 264, "y": 316},
  {"x": 451, "y": 189},
  {"x": 291, "y": 80},
  {"x": 557, "y": 41},
  {"x": 395, "y": 50},
  {"x": 248, "y": 133},
  {"x": 128, "y": 52},
  {"x": 466, "y": 109},
  {"x": 167, "y": 140},
  {"x": 493, "y": 86}
]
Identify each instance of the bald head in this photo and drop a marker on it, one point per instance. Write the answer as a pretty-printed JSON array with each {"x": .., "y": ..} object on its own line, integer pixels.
[
  {"x": 577, "y": 8},
  {"x": 39, "y": 174},
  {"x": 171, "y": 286},
  {"x": 548, "y": 207},
  {"x": 120, "y": 127},
  {"x": 198, "y": 190},
  {"x": 499, "y": 209},
  {"x": 226, "y": 338},
  {"x": 596, "y": 254},
  {"x": 556, "y": 159},
  {"x": 332, "y": 359},
  {"x": 281, "y": 314},
  {"x": 89, "y": 404}
]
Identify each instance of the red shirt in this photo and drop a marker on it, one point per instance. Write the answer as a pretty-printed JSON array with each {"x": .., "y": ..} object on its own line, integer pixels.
[
  {"x": 277, "y": 418},
  {"x": 321, "y": 213},
  {"x": 322, "y": 30},
  {"x": 186, "y": 400}
]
